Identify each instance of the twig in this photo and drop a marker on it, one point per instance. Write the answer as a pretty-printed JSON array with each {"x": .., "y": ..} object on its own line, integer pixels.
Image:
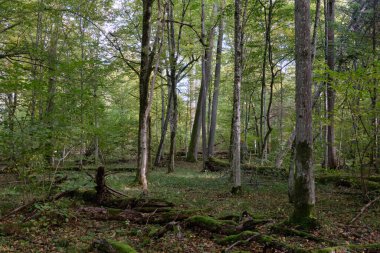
[
  {"x": 150, "y": 215},
  {"x": 364, "y": 208}
]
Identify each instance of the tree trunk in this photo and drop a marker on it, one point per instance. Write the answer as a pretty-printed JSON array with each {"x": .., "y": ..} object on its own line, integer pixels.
[
  {"x": 145, "y": 95},
  {"x": 215, "y": 97},
  {"x": 331, "y": 154},
  {"x": 263, "y": 91},
  {"x": 304, "y": 188},
  {"x": 192, "y": 153},
  {"x": 268, "y": 19},
  {"x": 173, "y": 87},
  {"x": 52, "y": 62},
  {"x": 200, "y": 112},
  {"x": 235, "y": 130},
  {"x": 280, "y": 156},
  {"x": 375, "y": 154}
]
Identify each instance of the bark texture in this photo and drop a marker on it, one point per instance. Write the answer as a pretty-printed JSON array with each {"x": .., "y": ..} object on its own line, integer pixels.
[
  {"x": 215, "y": 97},
  {"x": 235, "y": 130},
  {"x": 304, "y": 192},
  {"x": 331, "y": 149}
]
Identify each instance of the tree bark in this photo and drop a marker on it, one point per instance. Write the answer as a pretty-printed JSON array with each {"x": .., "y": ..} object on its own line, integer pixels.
[
  {"x": 173, "y": 86},
  {"x": 304, "y": 188},
  {"x": 330, "y": 19},
  {"x": 215, "y": 97},
  {"x": 146, "y": 87},
  {"x": 280, "y": 156},
  {"x": 200, "y": 112},
  {"x": 375, "y": 151},
  {"x": 235, "y": 129}
]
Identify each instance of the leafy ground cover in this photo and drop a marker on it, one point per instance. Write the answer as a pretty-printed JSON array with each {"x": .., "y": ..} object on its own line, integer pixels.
[{"x": 64, "y": 225}]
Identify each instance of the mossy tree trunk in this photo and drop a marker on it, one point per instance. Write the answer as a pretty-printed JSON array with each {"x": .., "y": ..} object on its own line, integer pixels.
[{"x": 304, "y": 192}]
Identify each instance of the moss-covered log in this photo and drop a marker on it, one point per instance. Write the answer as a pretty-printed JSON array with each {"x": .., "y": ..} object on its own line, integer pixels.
[
  {"x": 348, "y": 181},
  {"x": 108, "y": 246},
  {"x": 211, "y": 224},
  {"x": 214, "y": 164},
  {"x": 103, "y": 213},
  {"x": 350, "y": 248}
]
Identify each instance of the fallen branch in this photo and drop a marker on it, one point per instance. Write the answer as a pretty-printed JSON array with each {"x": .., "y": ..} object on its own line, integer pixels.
[
  {"x": 229, "y": 248},
  {"x": 18, "y": 209},
  {"x": 364, "y": 208},
  {"x": 281, "y": 229},
  {"x": 31, "y": 203}
]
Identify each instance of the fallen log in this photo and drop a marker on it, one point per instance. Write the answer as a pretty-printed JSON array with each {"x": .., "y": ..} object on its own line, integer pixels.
[
  {"x": 347, "y": 181},
  {"x": 108, "y": 246},
  {"x": 211, "y": 224},
  {"x": 103, "y": 213},
  {"x": 215, "y": 165}
]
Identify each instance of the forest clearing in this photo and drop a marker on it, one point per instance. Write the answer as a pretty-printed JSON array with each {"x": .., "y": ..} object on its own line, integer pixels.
[{"x": 189, "y": 126}]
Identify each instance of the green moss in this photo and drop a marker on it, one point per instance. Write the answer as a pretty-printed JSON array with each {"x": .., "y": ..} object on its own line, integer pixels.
[
  {"x": 204, "y": 220},
  {"x": 303, "y": 214},
  {"x": 375, "y": 246},
  {"x": 364, "y": 247},
  {"x": 211, "y": 224},
  {"x": 347, "y": 180},
  {"x": 122, "y": 247},
  {"x": 153, "y": 231},
  {"x": 219, "y": 162},
  {"x": 114, "y": 211},
  {"x": 234, "y": 238}
]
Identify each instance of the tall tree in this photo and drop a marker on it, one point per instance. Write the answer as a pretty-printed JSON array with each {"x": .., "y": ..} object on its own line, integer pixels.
[
  {"x": 146, "y": 86},
  {"x": 215, "y": 96},
  {"x": 200, "y": 112},
  {"x": 173, "y": 87},
  {"x": 235, "y": 126},
  {"x": 304, "y": 188},
  {"x": 331, "y": 149}
]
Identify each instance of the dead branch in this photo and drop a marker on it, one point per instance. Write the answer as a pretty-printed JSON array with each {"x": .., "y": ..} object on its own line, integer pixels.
[{"x": 363, "y": 209}]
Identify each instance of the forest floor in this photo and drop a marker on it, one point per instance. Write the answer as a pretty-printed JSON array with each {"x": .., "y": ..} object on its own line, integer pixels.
[{"x": 68, "y": 224}]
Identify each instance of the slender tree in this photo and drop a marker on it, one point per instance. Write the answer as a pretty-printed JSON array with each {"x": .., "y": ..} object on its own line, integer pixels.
[
  {"x": 331, "y": 153},
  {"x": 146, "y": 87},
  {"x": 215, "y": 96},
  {"x": 235, "y": 128}
]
